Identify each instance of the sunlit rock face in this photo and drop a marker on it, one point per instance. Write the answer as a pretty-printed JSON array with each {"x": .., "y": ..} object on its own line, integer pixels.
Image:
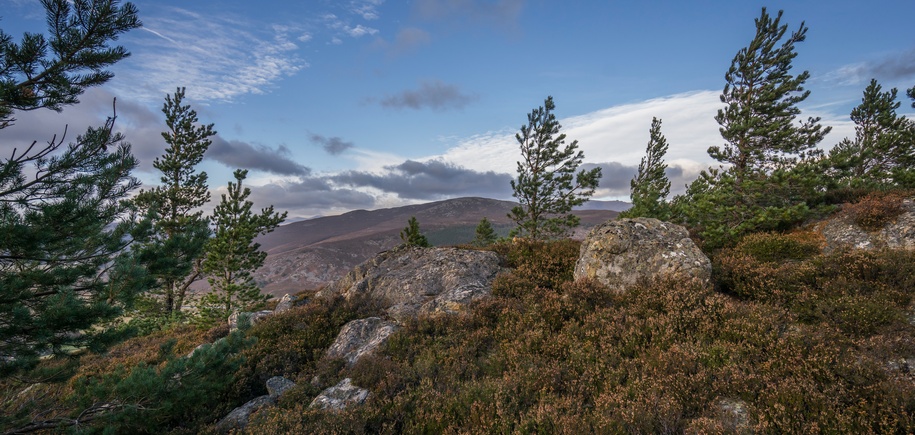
[{"x": 620, "y": 253}]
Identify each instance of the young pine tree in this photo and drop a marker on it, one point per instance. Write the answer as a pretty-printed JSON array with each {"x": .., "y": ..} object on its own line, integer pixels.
[
  {"x": 412, "y": 236},
  {"x": 173, "y": 248},
  {"x": 547, "y": 186},
  {"x": 650, "y": 186},
  {"x": 882, "y": 140},
  {"x": 232, "y": 256},
  {"x": 485, "y": 234},
  {"x": 768, "y": 184}
]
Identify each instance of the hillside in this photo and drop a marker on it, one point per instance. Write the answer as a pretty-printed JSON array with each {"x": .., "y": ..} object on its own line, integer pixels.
[{"x": 308, "y": 254}]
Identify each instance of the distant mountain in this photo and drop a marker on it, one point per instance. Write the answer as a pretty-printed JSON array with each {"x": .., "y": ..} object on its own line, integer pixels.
[{"x": 311, "y": 253}]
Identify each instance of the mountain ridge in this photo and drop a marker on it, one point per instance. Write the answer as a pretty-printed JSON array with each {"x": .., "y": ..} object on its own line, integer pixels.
[{"x": 308, "y": 254}]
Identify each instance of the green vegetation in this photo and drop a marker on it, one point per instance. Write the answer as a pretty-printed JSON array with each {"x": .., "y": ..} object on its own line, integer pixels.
[
  {"x": 880, "y": 154},
  {"x": 767, "y": 184},
  {"x": 547, "y": 186},
  {"x": 81, "y": 31},
  {"x": 412, "y": 236},
  {"x": 485, "y": 234},
  {"x": 232, "y": 256},
  {"x": 62, "y": 207},
  {"x": 650, "y": 186},
  {"x": 172, "y": 249}
]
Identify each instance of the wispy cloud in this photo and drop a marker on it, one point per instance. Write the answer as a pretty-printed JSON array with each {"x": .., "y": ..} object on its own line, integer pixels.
[
  {"x": 435, "y": 95},
  {"x": 408, "y": 39},
  {"x": 367, "y": 9},
  {"x": 215, "y": 57},
  {"x": 336, "y": 23}
]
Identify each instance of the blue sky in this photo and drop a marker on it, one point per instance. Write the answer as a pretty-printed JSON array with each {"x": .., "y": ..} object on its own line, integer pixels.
[{"x": 342, "y": 105}]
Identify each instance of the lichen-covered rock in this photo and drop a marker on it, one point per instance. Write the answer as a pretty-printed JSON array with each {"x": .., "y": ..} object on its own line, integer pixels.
[
  {"x": 841, "y": 232},
  {"x": 411, "y": 281},
  {"x": 278, "y": 385},
  {"x": 359, "y": 338},
  {"x": 621, "y": 252},
  {"x": 734, "y": 415},
  {"x": 284, "y": 304},
  {"x": 238, "y": 418},
  {"x": 340, "y": 396}
]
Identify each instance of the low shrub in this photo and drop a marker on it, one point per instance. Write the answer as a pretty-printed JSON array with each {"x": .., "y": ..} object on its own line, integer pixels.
[{"x": 875, "y": 210}]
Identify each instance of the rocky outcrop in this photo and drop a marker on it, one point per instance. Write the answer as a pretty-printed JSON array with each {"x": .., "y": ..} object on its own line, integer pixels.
[
  {"x": 278, "y": 385},
  {"x": 841, "y": 232},
  {"x": 412, "y": 281},
  {"x": 285, "y": 304},
  {"x": 340, "y": 397},
  {"x": 238, "y": 418},
  {"x": 621, "y": 252},
  {"x": 359, "y": 338}
]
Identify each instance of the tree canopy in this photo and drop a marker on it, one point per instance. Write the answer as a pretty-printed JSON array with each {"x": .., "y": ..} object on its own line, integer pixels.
[{"x": 62, "y": 208}]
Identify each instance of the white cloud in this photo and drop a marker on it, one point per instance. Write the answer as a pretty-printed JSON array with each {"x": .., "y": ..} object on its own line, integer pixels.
[
  {"x": 616, "y": 134},
  {"x": 367, "y": 9},
  {"x": 359, "y": 31}
]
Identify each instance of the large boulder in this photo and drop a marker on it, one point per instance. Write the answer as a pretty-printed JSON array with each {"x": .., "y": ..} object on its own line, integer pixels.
[
  {"x": 359, "y": 338},
  {"x": 841, "y": 232},
  {"x": 412, "y": 281},
  {"x": 340, "y": 397},
  {"x": 619, "y": 253}
]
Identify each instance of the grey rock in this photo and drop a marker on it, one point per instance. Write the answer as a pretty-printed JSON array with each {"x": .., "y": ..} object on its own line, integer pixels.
[
  {"x": 735, "y": 415},
  {"x": 340, "y": 397},
  {"x": 359, "y": 338},
  {"x": 619, "y": 253},
  {"x": 411, "y": 281},
  {"x": 278, "y": 385},
  {"x": 284, "y": 304},
  {"x": 841, "y": 232},
  {"x": 238, "y": 418}
]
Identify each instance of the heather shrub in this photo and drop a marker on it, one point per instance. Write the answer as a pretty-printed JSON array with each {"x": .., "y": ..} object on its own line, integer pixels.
[
  {"x": 291, "y": 343},
  {"x": 875, "y": 210},
  {"x": 545, "y": 264},
  {"x": 809, "y": 353}
]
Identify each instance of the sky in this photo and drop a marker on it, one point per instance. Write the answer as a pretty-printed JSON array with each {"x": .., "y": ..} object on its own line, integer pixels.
[{"x": 335, "y": 106}]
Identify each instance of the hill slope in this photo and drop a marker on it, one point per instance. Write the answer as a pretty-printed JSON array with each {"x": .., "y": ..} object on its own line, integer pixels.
[{"x": 308, "y": 254}]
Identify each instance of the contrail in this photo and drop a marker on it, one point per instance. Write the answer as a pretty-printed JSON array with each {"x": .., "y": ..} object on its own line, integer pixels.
[{"x": 160, "y": 35}]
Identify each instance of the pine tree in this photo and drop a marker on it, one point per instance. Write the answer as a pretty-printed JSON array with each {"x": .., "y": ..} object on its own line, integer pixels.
[
  {"x": 485, "y": 234},
  {"x": 882, "y": 140},
  {"x": 412, "y": 236},
  {"x": 62, "y": 208},
  {"x": 174, "y": 248},
  {"x": 232, "y": 256},
  {"x": 761, "y": 98},
  {"x": 768, "y": 184},
  {"x": 650, "y": 186},
  {"x": 547, "y": 186},
  {"x": 31, "y": 78}
]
